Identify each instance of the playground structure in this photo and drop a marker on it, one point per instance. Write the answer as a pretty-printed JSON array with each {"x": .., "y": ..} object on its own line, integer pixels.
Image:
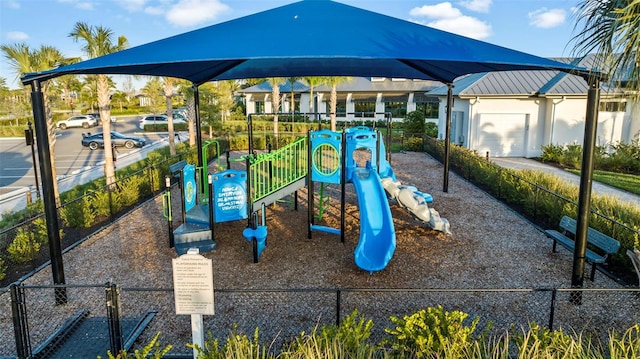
[{"x": 323, "y": 157}]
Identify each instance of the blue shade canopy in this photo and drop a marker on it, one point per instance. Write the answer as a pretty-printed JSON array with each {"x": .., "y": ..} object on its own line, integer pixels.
[{"x": 311, "y": 38}]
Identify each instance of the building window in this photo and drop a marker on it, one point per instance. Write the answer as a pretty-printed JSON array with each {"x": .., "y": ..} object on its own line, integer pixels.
[
  {"x": 396, "y": 108},
  {"x": 429, "y": 106},
  {"x": 613, "y": 106},
  {"x": 429, "y": 109},
  {"x": 364, "y": 108},
  {"x": 341, "y": 107},
  {"x": 259, "y": 106}
]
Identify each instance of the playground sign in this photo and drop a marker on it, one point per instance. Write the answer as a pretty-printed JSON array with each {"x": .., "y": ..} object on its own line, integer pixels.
[
  {"x": 189, "y": 186},
  {"x": 193, "y": 284},
  {"x": 230, "y": 196}
]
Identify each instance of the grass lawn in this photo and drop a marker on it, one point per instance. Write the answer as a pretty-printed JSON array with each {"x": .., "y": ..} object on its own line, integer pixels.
[{"x": 627, "y": 182}]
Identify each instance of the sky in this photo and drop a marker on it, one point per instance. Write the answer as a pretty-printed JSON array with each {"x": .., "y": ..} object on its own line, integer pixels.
[{"x": 539, "y": 27}]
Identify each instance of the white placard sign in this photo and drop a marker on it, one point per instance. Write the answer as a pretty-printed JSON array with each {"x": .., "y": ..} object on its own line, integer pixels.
[{"x": 193, "y": 284}]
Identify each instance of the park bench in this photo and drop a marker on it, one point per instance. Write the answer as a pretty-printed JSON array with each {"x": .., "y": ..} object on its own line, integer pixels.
[
  {"x": 596, "y": 241},
  {"x": 177, "y": 167}
]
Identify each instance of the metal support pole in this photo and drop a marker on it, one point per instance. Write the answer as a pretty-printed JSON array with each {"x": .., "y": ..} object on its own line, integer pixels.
[
  {"x": 196, "y": 100},
  {"x": 447, "y": 138},
  {"x": 49, "y": 198},
  {"x": 552, "y": 309},
  {"x": 343, "y": 184},
  {"x": 338, "y": 302},
  {"x": 584, "y": 195},
  {"x": 29, "y": 135},
  {"x": 20, "y": 326},
  {"x": 310, "y": 189},
  {"x": 250, "y": 132},
  {"x": 169, "y": 214},
  {"x": 211, "y": 206},
  {"x": 113, "y": 316}
]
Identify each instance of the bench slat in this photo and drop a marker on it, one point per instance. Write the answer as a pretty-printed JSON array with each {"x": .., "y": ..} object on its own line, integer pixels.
[
  {"x": 594, "y": 237},
  {"x": 569, "y": 243}
]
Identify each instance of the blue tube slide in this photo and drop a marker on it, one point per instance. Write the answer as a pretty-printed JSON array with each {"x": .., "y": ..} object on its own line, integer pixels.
[{"x": 377, "y": 234}]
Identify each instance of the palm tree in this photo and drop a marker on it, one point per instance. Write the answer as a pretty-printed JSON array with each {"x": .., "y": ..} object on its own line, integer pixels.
[
  {"x": 275, "y": 83},
  {"x": 99, "y": 41},
  {"x": 610, "y": 29},
  {"x": 168, "y": 96},
  {"x": 154, "y": 92},
  {"x": 334, "y": 81},
  {"x": 313, "y": 82},
  {"x": 24, "y": 60},
  {"x": 292, "y": 109}
]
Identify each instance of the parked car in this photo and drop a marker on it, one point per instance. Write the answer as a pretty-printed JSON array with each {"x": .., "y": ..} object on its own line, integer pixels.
[
  {"x": 96, "y": 140},
  {"x": 179, "y": 114},
  {"x": 156, "y": 120},
  {"x": 84, "y": 121},
  {"x": 96, "y": 115}
]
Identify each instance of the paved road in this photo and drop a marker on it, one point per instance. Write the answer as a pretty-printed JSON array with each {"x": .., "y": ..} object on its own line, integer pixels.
[
  {"x": 598, "y": 188},
  {"x": 74, "y": 164}
]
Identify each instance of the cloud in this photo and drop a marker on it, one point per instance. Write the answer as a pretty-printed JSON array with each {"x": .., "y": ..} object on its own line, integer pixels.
[
  {"x": 445, "y": 17},
  {"x": 132, "y": 5},
  {"x": 192, "y": 12},
  {"x": 477, "y": 5},
  {"x": 11, "y": 4},
  {"x": 547, "y": 18},
  {"x": 83, "y": 5},
  {"x": 16, "y": 35},
  {"x": 441, "y": 10}
]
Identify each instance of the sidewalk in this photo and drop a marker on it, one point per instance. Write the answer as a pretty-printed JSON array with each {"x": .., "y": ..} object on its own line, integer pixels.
[{"x": 597, "y": 189}]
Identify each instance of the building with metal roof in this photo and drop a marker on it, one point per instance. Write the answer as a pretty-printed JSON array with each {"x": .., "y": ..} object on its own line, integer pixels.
[{"x": 516, "y": 113}]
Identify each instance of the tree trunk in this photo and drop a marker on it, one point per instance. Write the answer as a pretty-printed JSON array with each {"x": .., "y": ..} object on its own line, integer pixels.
[
  {"x": 104, "y": 107},
  {"x": 334, "y": 104},
  {"x": 191, "y": 109},
  {"x": 52, "y": 141},
  {"x": 275, "y": 103},
  {"x": 168, "y": 94}
]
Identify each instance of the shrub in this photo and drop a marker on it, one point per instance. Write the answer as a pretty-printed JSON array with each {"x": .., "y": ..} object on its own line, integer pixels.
[
  {"x": 101, "y": 202},
  {"x": 432, "y": 333},
  {"x": 151, "y": 350},
  {"x": 26, "y": 246},
  {"x": 431, "y": 129},
  {"x": 352, "y": 332},
  {"x": 129, "y": 190},
  {"x": 78, "y": 214},
  {"x": 237, "y": 346},
  {"x": 414, "y": 144},
  {"x": 3, "y": 269},
  {"x": 414, "y": 123},
  {"x": 552, "y": 153}
]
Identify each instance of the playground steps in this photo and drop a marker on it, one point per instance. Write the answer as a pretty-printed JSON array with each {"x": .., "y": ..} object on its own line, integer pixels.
[
  {"x": 192, "y": 235},
  {"x": 198, "y": 215}
]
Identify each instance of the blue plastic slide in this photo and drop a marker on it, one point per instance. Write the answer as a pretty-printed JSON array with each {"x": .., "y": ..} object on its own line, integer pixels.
[{"x": 377, "y": 234}]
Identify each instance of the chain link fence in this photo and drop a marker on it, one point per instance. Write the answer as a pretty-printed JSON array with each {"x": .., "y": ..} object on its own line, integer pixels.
[{"x": 88, "y": 320}]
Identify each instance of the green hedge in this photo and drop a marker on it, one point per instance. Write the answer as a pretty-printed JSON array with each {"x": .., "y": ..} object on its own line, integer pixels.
[{"x": 544, "y": 198}]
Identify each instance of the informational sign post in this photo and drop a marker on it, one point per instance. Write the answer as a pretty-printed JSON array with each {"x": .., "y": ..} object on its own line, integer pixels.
[{"x": 193, "y": 290}]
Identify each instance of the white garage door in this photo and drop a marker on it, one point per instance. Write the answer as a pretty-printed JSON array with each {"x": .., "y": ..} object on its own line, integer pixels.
[{"x": 503, "y": 135}]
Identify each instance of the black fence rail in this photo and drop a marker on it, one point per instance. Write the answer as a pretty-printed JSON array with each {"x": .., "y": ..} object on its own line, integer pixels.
[
  {"x": 540, "y": 205},
  {"x": 24, "y": 246},
  {"x": 97, "y": 318}
]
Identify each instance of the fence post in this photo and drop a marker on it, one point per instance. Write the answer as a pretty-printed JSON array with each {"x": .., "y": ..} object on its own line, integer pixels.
[
  {"x": 338, "y": 304},
  {"x": 113, "y": 316},
  {"x": 20, "y": 326},
  {"x": 552, "y": 308}
]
